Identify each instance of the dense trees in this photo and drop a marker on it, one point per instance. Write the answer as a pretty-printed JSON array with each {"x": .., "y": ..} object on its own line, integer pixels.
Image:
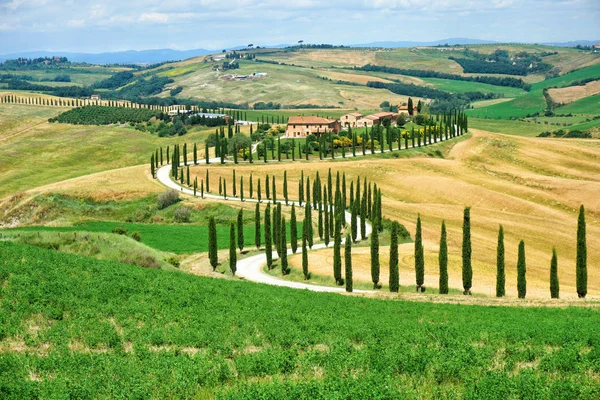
[
  {"x": 103, "y": 115},
  {"x": 581, "y": 261}
]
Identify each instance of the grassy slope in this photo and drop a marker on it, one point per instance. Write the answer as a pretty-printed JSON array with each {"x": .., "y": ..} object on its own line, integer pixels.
[
  {"x": 533, "y": 101},
  {"x": 54, "y": 152},
  {"x": 588, "y": 105},
  {"x": 70, "y": 322}
]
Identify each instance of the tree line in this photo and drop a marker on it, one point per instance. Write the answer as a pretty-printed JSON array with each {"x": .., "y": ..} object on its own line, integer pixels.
[{"x": 491, "y": 80}]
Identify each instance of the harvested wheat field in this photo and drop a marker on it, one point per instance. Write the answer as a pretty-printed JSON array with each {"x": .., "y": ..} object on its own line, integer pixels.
[
  {"x": 573, "y": 93},
  {"x": 533, "y": 187}
]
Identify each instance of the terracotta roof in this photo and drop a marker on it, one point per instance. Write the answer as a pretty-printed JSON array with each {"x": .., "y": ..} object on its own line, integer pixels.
[
  {"x": 355, "y": 114},
  {"x": 303, "y": 120},
  {"x": 371, "y": 117},
  {"x": 384, "y": 114}
]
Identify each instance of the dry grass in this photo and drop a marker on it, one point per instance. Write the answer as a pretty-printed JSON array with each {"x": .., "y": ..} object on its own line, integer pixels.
[
  {"x": 506, "y": 180},
  {"x": 573, "y": 93}
]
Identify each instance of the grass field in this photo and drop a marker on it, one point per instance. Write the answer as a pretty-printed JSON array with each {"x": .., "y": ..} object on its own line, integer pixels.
[
  {"x": 69, "y": 322},
  {"x": 589, "y": 105}
]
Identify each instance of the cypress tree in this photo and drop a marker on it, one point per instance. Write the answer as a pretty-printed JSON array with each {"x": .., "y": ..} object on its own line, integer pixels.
[
  {"x": 212, "y": 243},
  {"x": 354, "y": 219},
  {"x": 375, "y": 258},
  {"x": 500, "y": 275},
  {"x": 232, "y": 252},
  {"x": 220, "y": 186},
  {"x": 337, "y": 257},
  {"x": 304, "y": 256},
  {"x": 308, "y": 190},
  {"x": 224, "y": 189},
  {"x": 274, "y": 190},
  {"x": 293, "y": 230},
  {"x": 419, "y": 256},
  {"x": 320, "y": 221},
  {"x": 467, "y": 269},
  {"x": 348, "y": 263},
  {"x": 240, "y": 228},
  {"x": 251, "y": 186},
  {"x": 268, "y": 243},
  {"x": 195, "y": 154},
  {"x": 363, "y": 215},
  {"x": 152, "y": 165},
  {"x": 234, "y": 184},
  {"x": 185, "y": 152},
  {"x": 267, "y": 188},
  {"x": 327, "y": 231},
  {"x": 259, "y": 192},
  {"x": 344, "y": 199},
  {"x": 265, "y": 152},
  {"x": 443, "y": 259},
  {"x": 394, "y": 274},
  {"x": 283, "y": 248},
  {"x": 276, "y": 228},
  {"x": 521, "y": 271},
  {"x": 308, "y": 224},
  {"x": 188, "y": 175},
  {"x": 279, "y": 149},
  {"x": 301, "y": 189},
  {"x": 207, "y": 182},
  {"x": 285, "y": 187},
  {"x": 202, "y": 189},
  {"x": 257, "y": 235},
  {"x": 554, "y": 287},
  {"x": 581, "y": 262}
]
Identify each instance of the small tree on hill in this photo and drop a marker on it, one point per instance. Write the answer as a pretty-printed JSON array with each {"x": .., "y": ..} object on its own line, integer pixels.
[
  {"x": 348, "y": 262},
  {"x": 554, "y": 286},
  {"x": 212, "y": 243},
  {"x": 443, "y": 259},
  {"x": 394, "y": 274},
  {"x": 232, "y": 252},
  {"x": 581, "y": 262},
  {"x": 375, "y": 258},
  {"x": 419, "y": 256},
  {"x": 500, "y": 275},
  {"x": 521, "y": 271},
  {"x": 467, "y": 269}
]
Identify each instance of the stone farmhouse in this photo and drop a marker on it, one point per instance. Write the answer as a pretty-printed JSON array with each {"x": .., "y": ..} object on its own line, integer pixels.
[
  {"x": 349, "y": 120},
  {"x": 301, "y": 126}
]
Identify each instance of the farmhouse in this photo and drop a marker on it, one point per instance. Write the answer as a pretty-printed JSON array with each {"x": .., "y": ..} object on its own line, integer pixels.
[
  {"x": 95, "y": 97},
  {"x": 301, "y": 126},
  {"x": 368, "y": 121},
  {"x": 350, "y": 119},
  {"x": 403, "y": 109},
  {"x": 385, "y": 115}
]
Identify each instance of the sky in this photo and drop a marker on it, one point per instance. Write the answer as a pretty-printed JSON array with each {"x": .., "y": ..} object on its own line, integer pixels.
[{"x": 92, "y": 26}]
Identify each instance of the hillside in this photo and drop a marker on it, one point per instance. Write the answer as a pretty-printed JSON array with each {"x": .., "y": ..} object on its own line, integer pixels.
[{"x": 70, "y": 321}]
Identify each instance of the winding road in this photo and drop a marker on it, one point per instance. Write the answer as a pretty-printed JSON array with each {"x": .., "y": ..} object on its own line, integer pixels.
[{"x": 251, "y": 268}]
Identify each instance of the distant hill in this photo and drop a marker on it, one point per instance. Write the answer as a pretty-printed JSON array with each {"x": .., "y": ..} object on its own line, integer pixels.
[
  {"x": 450, "y": 41},
  {"x": 574, "y": 43}
]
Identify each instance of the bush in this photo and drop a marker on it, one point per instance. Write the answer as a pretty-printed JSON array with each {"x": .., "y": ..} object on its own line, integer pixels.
[
  {"x": 136, "y": 236},
  {"x": 167, "y": 199},
  {"x": 119, "y": 230},
  {"x": 182, "y": 214},
  {"x": 174, "y": 261}
]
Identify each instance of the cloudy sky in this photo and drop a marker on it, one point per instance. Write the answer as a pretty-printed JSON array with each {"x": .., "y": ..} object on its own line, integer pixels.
[{"x": 114, "y": 25}]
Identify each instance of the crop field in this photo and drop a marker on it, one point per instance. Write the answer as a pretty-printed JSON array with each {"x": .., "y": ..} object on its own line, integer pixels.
[
  {"x": 462, "y": 87},
  {"x": 505, "y": 179},
  {"x": 589, "y": 105},
  {"x": 70, "y": 321}
]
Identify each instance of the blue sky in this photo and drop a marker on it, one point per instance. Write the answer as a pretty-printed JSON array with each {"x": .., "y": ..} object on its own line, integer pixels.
[{"x": 110, "y": 25}]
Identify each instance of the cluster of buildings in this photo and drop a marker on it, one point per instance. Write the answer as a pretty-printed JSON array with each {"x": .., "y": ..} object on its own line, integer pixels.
[{"x": 302, "y": 126}]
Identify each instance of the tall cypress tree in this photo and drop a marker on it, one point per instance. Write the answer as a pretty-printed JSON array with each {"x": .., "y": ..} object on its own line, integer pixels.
[
  {"x": 276, "y": 228},
  {"x": 301, "y": 189},
  {"x": 337, "y": 256},
  {"x": 274, "y": 190},
  {"x": 212, "y": 243},
  {"x": 308, "y": 224},
  {"x": 581, "y": 264},
  {"x": 554, "y": 286},
  {"x": 521, "y": 271},
  {"x": 152, "y": 165},
  {"x": 257, "y": 234},
  {"x": 293, "y": 230},
  {"x": 251, "y": 188},
  {"x": 285, "y": 188},
  {"x": 375, "y": 259},
  {"x": 354, "y": 219},
  {"x": 467, "y": 269},
  {"x": 500, "y": 275},
  {"x": 348, "y": 262},
  {"x": 419, "y": 256},
  {"x": 326, "y": 229},
  {"x": 232, "y": 252},
  {"x": 267, "y": 188},
  {"x": 394, "y": 274},
  {"x": 195, "y": 154},
  {"x": 283, "y": 248},
  {"x": 268, "y": 242},
  {"x": 234, "y": 184},
  {"x": 443, "y": 259},
  {"x": 320, "y": 221},
  {"x": 304, "y": 256},
  {"x": 240, "y": 229},
  {"x": 207, "y": 182},
  {"x": 363, "y": 216}
]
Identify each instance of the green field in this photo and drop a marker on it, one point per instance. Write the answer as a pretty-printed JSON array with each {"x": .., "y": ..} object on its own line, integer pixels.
[
  {"x": 462, "y": 87},
  {"x": 70, "y": 322},
  {"x": 588, "y": 105},
  {"x": 178, "y": 239}
]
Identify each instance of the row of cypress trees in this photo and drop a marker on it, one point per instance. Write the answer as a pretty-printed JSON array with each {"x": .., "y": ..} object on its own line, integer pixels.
[{"x": 467, "y": 270}]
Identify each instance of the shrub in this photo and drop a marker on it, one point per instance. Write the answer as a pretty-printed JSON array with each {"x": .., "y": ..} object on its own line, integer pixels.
[
  {"x": 136, "y": 236},
  {"x": 167, "y": 199},
  {"x": 174, "y": 261},
  {"x": 182, "y": 214},
  {"x": 119, "y": 230}
]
